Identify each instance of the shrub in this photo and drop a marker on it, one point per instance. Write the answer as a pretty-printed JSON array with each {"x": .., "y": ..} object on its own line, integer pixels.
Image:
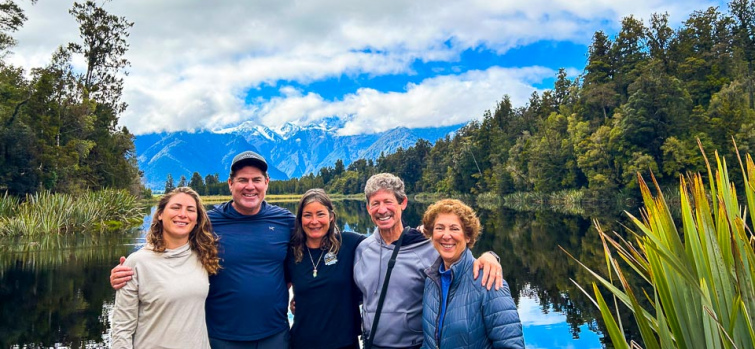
[
  {"x": 47, "y": 213},
  {"x": 700, "y": 278}
]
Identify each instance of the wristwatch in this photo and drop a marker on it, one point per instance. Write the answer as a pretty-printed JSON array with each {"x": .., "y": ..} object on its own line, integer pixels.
[{"x": 495, "y": 255}]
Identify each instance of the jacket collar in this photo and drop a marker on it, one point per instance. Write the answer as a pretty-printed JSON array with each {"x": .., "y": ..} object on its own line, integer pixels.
[
  {"x": 412, "y": 237},
  {"x": 226, "y": 211},
  {"x": 463, "y": 265}
]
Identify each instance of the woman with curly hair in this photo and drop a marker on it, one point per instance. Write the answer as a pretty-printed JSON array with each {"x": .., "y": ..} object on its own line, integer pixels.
[
  {"x": 456, "y": 311},
  {"x": 163, "y": 303},
  {"x": 320, "y": 269}
]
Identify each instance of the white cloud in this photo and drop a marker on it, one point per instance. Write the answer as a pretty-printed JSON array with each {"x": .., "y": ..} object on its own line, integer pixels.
[
  {"x": 531, "y": 313},
  {"x": 193, "y": 61},
  {"x": 443, "y": 100}
]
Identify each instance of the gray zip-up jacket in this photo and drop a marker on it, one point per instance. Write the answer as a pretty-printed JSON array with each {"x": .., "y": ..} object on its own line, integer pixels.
[{"x": 400, "y": 323}]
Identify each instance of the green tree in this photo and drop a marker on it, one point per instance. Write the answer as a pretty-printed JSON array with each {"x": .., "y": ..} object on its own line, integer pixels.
[
  {"x": 599, "y": 90},
  {"x": 111, "y": 162},
  {"x": 210, "y": 181},
  {"x": 364, "y": 169},
  {"x": 657, "y": 109},
  {"x": 743, "y": 12},
  {"x": 347, "y": 183},
  {"x": 407, "y": 162},
  {"x": 65, "y": 123},
  {"x": 561, "y": 89},
  {"x": 659, "y": 36},
  {"x": 638, "y": 163},
  {"x": 104, "y": 46},
  {"x": 169, "y": 186},
  {"x": 338, "y": 168},
  {"x": 728, "y": 115},
  {"x": 12, "y": 18},
  {"x": 518, "y": 163},
  {"x": 17, "y": 139},
  {"x": 464, "y": 170},
  {"x": 196, "y": 183},
  {"x": 435, "y": 167},
  {"x": 703, "y": 54},
  {"x": 327, "y": 174},
  {"x": 596, "y": 158},
  {"x": 680, "y": 157},
  {"x": 552, "y": 163},
  {"x": 627, "y": 54}
]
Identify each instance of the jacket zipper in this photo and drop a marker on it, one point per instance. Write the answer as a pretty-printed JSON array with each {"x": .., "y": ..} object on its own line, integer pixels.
[
  {"x": 437, "y": 318},
  {"x": 448, "y": 301}
]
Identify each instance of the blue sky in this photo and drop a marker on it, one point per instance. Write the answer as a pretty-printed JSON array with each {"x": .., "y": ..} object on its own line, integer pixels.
[
  {"x": 376, "y": 65},
  {"x": 567, "y": 55},
  {"x": 550, "y": 329}
]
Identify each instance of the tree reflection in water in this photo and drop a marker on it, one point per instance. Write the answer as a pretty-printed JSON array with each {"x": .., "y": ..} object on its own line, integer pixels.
[{"x": 55, "y": 289}]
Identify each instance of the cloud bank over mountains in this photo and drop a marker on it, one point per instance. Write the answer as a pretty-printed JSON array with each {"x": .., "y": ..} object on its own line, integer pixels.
[{"x": 376, "y": 65}]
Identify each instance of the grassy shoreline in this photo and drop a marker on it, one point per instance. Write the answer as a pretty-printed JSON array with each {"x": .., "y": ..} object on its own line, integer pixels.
[
  {"x": 219, "y": 199},
  {"x": 61, "y": 214}
]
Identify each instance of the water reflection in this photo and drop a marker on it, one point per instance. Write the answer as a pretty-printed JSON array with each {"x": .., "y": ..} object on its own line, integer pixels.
[
  {"x": 550, "y": 329},
  {"x": 56, "y": 290}
]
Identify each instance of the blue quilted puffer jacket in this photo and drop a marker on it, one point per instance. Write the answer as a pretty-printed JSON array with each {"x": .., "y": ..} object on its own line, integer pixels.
[{"x": 475, "y": 317}]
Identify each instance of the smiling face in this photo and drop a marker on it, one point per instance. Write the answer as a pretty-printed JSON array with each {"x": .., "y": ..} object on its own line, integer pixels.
[
  {"x": 315, "y": 220},
  {"x": 449, "y": 238},
  {"x": 178, "y": 219},
  {"x": 248, "y": 188},
  {"x": 385, "y": 210}
]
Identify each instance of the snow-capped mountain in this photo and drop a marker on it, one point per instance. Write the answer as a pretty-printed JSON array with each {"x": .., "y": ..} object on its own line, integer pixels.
[{"x": 291, "y": 150}]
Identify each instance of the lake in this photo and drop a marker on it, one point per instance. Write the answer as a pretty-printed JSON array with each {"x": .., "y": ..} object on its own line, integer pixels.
[{"x": 55, "y": 291}]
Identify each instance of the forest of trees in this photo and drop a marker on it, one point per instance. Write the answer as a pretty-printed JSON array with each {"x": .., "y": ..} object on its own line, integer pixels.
[
  {"x": 59, "y": 126},
  {"x": 645, "y": 98}
]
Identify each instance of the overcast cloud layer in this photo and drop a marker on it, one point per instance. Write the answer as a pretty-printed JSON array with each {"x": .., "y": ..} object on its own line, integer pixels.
[{"x": 212, "y": 64}]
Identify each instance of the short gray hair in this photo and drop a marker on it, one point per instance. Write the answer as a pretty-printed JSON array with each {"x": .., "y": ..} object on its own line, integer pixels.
[{"x": 387, "y": 182}]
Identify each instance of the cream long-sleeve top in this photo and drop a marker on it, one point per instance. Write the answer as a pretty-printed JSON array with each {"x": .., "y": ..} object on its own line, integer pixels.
[{"x": 162, "y": 306}]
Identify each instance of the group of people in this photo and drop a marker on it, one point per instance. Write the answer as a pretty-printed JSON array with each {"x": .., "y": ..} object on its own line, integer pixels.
[{"x": 220, "y": 279}]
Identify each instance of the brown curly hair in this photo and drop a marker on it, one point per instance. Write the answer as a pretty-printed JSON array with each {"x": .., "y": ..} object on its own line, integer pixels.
[
  {"x": 202, "y": 239},
  {"x": 469, "y": 221},
  {"x": 332, "y": 239}
]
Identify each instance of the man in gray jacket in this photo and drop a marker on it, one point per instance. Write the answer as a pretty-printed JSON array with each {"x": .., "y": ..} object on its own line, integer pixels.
[{"x": 400, "y": 322}]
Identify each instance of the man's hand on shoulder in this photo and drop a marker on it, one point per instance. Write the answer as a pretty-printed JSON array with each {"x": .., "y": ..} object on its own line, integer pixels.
[
  {"x": 491, "y": 270},
  {"x": 120, "y": 275}
]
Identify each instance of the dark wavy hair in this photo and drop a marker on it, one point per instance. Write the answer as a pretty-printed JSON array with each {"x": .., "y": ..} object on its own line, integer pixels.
[
  {"x": 202, "y": 239},
  {"x": 332, "y": 239}
]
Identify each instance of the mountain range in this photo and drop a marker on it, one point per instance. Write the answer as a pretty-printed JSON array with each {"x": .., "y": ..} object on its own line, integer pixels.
[{"x": 291, "y": 150}]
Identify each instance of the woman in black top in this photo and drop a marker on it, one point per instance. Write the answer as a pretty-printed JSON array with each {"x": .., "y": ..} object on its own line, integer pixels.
[{"x": 319, "y": 266}]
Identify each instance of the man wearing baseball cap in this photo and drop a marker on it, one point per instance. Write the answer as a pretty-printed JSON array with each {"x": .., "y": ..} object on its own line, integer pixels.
[{"x": 246, "y": 306}]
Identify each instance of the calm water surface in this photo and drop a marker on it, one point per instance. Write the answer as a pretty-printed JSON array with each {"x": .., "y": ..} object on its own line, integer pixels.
[{"x": 55, "y": 291}]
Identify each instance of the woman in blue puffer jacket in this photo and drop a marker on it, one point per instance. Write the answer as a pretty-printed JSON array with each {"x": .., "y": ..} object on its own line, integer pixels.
[{"x": 458, "y": 312}]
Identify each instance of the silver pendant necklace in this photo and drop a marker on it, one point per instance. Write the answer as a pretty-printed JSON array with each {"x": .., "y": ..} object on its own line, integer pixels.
[{"x": 314, "y": 266}]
